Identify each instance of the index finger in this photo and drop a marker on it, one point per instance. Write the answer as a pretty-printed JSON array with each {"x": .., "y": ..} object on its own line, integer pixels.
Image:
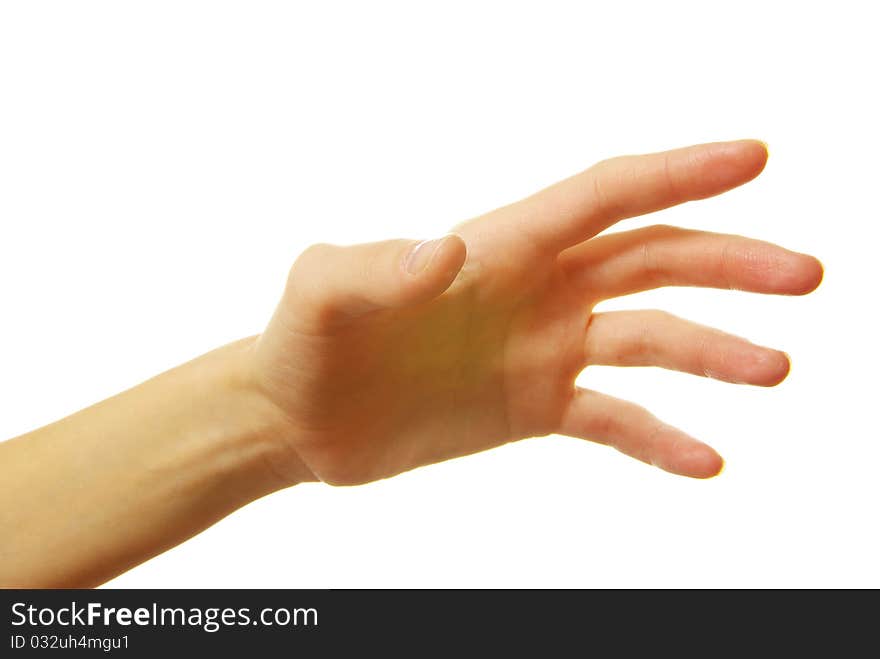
[{"x": 579, "y": 207}]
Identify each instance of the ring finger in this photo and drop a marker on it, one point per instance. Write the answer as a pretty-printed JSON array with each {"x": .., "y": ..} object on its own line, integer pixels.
[{"x": 656, "y": 338}]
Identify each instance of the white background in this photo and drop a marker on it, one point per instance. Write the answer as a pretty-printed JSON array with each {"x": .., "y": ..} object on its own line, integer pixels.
[{"x": 163, "y": 163}]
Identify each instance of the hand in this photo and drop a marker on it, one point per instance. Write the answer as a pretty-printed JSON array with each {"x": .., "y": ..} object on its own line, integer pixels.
[{"x": 392, "y": 355}]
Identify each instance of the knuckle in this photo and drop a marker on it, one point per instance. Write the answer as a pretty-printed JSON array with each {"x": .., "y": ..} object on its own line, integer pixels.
[
  {"x": 375, "y": 262},
  {"x": 311, "y": 257},
  {"x": 669, "y": 177},
  {"x": 704, "y": 357},
  {"x": 304, "y": 283},
  {"x": 727, "y": 263},
  {"x": 601, "y": 172},
  {"x": 314, "y": 253},
  {"x": 653, "y": 267}
]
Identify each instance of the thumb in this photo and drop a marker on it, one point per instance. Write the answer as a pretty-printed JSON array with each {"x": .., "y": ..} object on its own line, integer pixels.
[{"x": 332, "y": 283}]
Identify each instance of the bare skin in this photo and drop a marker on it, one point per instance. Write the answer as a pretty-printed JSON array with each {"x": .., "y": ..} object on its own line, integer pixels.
[{"x": 380, "y": 359}]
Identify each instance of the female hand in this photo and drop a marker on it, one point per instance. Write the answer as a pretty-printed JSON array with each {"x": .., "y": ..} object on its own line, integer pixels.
[{"x": 391, "y": 355}]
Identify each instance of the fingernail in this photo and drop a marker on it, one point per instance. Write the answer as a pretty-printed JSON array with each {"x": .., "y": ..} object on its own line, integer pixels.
[{"x": 420, "y": 255}]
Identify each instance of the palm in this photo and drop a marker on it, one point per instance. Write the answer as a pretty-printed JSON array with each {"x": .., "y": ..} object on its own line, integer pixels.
[
  {"x": 476, "y": 367},
  {"x": 494, "y": 357}
]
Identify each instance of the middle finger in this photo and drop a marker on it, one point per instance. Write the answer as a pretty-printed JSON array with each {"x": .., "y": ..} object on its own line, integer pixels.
[{"x": 633, "y": 261}]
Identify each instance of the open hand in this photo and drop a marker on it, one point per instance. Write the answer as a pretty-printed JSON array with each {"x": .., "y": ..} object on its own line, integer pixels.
[{"x": 391, "y": 355}]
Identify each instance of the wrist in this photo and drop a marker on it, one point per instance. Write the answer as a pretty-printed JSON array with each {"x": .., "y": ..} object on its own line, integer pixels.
[
  {"x": 251, "y": 424},
  {"x": 262, "y": 429}
]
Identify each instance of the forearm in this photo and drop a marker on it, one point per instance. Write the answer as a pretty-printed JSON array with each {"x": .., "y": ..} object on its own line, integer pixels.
[{"x": 88, "y": 497}]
